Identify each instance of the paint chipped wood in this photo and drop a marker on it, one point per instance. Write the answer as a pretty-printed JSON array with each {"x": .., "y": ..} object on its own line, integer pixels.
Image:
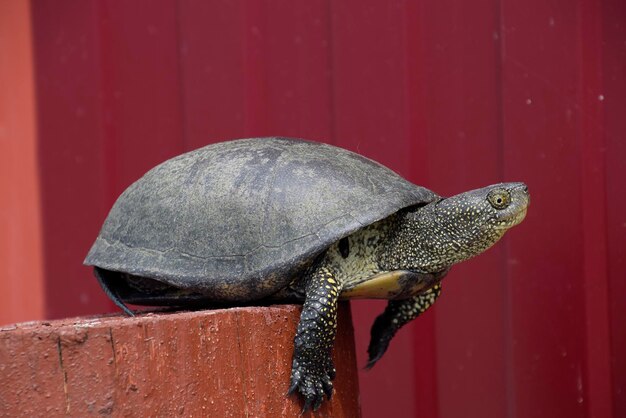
[{"x": 228, "y": 363}]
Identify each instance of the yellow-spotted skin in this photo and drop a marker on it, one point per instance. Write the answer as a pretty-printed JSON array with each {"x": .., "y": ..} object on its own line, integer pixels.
[
  {"x": 312, "y": 369},
  {"x": 355, "y": 260},
  {"x": 397, "y": 314},
  {"x": 402, "y": 258},
  {"x": 436, "y": 236}
]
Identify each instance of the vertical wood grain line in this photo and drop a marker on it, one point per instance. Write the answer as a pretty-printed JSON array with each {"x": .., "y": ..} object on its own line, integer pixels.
[
  {"x": 182, "y": 99},
  {"x": 331, "y": 75},
  {"x": 255, "y": 81},
  {"x": 598, "y": 390},
  {"x": 107, "y": 124},
  {"x": 509, "y": 377}
]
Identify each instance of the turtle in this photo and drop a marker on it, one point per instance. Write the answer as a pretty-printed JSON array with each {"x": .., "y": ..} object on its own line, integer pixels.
[{"x": 283, "y": 220}]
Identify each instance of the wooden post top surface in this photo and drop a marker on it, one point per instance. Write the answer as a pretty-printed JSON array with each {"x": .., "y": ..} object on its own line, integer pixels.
[{"x": 217, "y": 363}]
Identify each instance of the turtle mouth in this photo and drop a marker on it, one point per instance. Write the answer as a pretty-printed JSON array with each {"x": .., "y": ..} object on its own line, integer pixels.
[
  {"x": 516, "y": 219},
  {"x": 519, "y": 217}
]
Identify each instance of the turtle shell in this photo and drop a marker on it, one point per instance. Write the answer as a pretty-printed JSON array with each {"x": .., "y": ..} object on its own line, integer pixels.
[{"x": 238, "y": 220}]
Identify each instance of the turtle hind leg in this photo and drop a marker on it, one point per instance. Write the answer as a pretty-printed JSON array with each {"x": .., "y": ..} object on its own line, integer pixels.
[
  {"x": 104, "y": 281},
  {"x": 312, "y": 369},
  {"x": 397, "y": 314}
]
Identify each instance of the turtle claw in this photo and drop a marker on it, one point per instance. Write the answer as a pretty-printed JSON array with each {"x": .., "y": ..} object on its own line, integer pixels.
[
  {"x": 318, "y": 403},
  {"x": 307, "y": 405},
  {"x": 312, "y": 386},
  {"x": 375, "y": 351},
  {"x": 293, "y": 387},
  {"x": 328, "y": 389}
]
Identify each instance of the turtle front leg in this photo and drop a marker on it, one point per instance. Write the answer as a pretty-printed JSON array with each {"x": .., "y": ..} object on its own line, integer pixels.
[
  {"x": 397, "y": 314},
  {"x": 312, "y": 370}
]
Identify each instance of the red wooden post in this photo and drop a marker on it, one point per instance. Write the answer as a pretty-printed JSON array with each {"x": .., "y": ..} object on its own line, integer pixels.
[
  {"x": 21, "y": 264},
  {"x": 222, "y": 363}
]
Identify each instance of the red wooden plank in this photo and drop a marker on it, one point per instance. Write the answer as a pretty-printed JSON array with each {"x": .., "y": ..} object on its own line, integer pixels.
[
  {"x": 545, "y": 264},
  {"x": 293, "y": 41},
  {"x": 255, "y": 31},
  {"x": 614, "y": 108},
  {"x": 271, "y": 75},
  {"x": 71, "y": 148},
  {"x": 598, "y": 390},
  {"x": 372, "y": 117},
  {"x": 459, "y": 58},
  {"x": 212, "y": 69},
  {"x": 21, "y": 263},
  {"x": 141, "y": 90}
]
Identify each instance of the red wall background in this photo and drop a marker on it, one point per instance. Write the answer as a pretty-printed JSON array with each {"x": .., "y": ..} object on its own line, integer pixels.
[{"x": 451, "y": 94}]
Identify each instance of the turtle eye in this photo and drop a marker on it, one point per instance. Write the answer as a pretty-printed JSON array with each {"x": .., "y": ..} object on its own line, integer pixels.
[{"x": 499, "y": 198}]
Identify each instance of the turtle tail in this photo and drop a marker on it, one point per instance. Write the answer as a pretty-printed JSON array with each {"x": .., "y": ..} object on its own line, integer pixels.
[{"x": 104, "y": 280}]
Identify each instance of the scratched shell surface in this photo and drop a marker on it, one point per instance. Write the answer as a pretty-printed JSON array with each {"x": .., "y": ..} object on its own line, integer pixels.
[{"x": 245, "y": 215}]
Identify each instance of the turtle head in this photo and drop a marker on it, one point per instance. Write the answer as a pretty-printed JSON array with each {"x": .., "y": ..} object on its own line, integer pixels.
[
  {"x": 473, "y": 221},
  {"x": 491, "y": 210},
  {"x": 454, "y": 229}
]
